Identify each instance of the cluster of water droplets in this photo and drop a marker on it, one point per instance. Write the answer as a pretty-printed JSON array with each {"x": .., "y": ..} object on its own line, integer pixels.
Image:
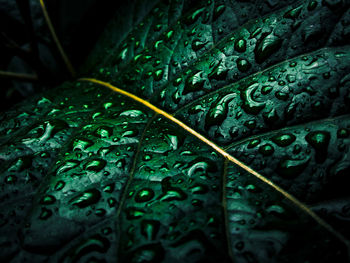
[
  {"x": 302, "y": 89},
  {"x": 173, "y": 205},
  {"x": 310, "y": 162}
]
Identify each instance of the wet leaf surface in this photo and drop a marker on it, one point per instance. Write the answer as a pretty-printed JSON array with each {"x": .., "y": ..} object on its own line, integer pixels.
[{"x": 89, "y": 175}]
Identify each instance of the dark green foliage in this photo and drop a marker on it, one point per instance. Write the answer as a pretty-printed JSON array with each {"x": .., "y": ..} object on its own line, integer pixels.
[{"x": 91, "y": 176}]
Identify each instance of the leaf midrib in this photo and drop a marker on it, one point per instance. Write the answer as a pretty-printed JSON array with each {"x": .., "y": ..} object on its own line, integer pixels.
[{"x": 226, "y": 156}]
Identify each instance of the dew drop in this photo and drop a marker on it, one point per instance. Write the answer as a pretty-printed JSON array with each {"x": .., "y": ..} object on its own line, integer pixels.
[
  {"x": 250, "y": 105},
  {"x": 240, "y": 45},
  {"x": 194, "y": 82},
  {"x": 198, "y": 44},
  {"x": 95, "y": 165},
  {"x": 45, "y": 213},
  {"x": 266, "y": 149},
  {"x": 48, "y": 200},
  {"x": 319, "y": 140},
  {"x": 253, "y": 143},
  {"x": 266, "y": 46},
  {"x": 150, "y": 228},
  {"x": 86, "y": 198},
  {"x": 218, "y": 110},
  {"x": 290, "y": 168},
  {"x": 343, "y": 133},
  {"x": 243, "y": 65},
  {"x": 144, "y": 195},
  {"x": 158, "y": 74},
  {"x": 284, "y": 140}
]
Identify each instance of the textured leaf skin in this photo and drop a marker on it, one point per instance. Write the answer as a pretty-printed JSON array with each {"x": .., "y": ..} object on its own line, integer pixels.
[{"x": 91, "y": 176}]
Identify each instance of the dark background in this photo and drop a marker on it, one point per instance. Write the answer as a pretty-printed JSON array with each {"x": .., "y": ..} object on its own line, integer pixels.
[{"x": 26, "y": 45}]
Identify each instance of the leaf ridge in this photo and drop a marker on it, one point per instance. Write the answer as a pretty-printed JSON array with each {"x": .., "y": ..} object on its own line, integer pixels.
[
  {"x": 132, "y": 172},
  {"x": 276, "y": 131},
  {"x": 224, "y": 206}
]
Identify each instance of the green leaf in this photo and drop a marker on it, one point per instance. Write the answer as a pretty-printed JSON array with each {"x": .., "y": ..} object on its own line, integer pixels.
[{"x": 92, "y": 175}]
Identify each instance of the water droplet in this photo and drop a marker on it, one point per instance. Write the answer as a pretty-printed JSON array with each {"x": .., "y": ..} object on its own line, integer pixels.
[
  {"x": 292, "y": 168},
  {"x": 107, "y": 105},
  {"x": 319, "y": 140},
  {"x": 134, "y": 213},
  {"x": 109, "y": 188},
  {"x": 199, "y": 189},
  {"x": 250, "y": 105},
  {"x": 198, "y": 44},
  {"x": 173, "y": 194},
  {"x": 197, "y": 203},
  {"x": 270, "y": 116},
  {"x": 145, "y": 59},
  {"x": 157, "y": 44},
  {"x": 194, "y": 82},
  {"x": 284, "y": 140},
  {"x": 48, "y": 200},
  {"x": 194, "y": 16},
  {"x": 275, "y": 209},
  {"x": 177, "y": 82},
  {"x": 250, "y": 124},
  {"x": 111, "y": 202},
  {"x": 290, "y": 110},
  {"x": 150, "y": 228},
  {"x": 253, "y": 143},
  {"x": 10, "y": 179},
  {"x": 282, "y": 95},
  {"x": 290, "y": 78},
  {"x": 266, "y": 90},
  {"x": 266, "y": 149},
  {"x": 147, "y": 157},
  {"x": 122, "y": 55},
  {"x": 256, "y": 32},
  {"x": 104, "y": 131},
  {"x": 312, "y": 5},
  {"x": 293, "y": 13},
  {"x": 343, "y": 133},
  {"x": 219, "y": 72},
  {"x": 137, "y": 57},
  {"x": 157, "y": 27},
  {"x": 218, "y": 11},
  {"x": 144, "y": 195},
  {"x": 100, "y": 212},
  {"x": 59, "y": 185},
  {"x": 45, "y": 213},
  {"x": 81, "y": 144},
  {"x": 86, "y": 198},
  {"x": 130, "y": 133},
  {"x": 170, "y": 34},
  {"x": 201, "y": 166},
  {"x": 94, "y": 244},
  {"x": 158, "y": 74},
  {"x": 153, "y": 252},
  {"x": 95, "y": 165},
  {"x": 218, "y": 110},
  {"x": 66, "y": 166},
  {"x": 266, "y": 46},
  {"x": 243, "y": 65},
  {"x": 96, "y": 115},
  {"x": 240, "y": 45},
  {"x": 132, "y": 113}
]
